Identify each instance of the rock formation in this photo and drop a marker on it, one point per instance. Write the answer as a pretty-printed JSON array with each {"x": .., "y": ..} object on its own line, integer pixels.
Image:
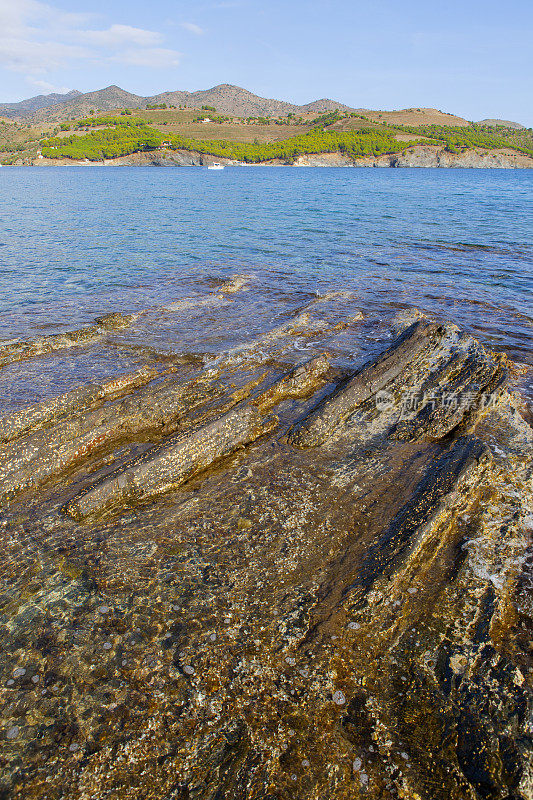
[{"x": 255, "y": 580}]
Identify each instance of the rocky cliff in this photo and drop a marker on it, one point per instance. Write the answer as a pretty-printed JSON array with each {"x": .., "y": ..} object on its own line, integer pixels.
[
  {"x": 426, "y": 156},
  {"x": 414, "y": 157}
]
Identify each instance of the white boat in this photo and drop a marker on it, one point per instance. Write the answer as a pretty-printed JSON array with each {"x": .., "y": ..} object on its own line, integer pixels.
[{"x": 216, "y": 165}]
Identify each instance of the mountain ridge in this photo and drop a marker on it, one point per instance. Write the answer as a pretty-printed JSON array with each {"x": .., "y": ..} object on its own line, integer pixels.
[
  {"x": 38, "y": 102},
  {"x": 226, "y": 98}
]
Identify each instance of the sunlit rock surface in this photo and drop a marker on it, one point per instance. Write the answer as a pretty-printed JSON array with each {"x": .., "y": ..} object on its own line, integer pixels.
[{"x": 270, "y": 572}]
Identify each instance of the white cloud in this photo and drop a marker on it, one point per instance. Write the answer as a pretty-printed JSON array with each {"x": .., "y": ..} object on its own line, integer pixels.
[
  {"x": 192, "y": 28},
  {"x": 36, "y": 38},
  {"x": 17, "y": 17},
  {"x": 30, "y": 56},
  {"x": 118, "y": 35},
  {"x": 155, "y": 57}
]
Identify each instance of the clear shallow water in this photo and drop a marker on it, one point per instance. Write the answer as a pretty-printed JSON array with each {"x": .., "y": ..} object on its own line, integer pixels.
[{"x": 78, "y": 242}]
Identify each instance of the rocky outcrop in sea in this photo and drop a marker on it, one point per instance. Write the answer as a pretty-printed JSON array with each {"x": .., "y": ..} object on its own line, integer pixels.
[{"x": 253, "y": 578}]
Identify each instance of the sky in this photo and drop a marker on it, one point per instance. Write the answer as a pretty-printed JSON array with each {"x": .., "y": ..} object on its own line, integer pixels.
[{"x": 472, "y": 58}]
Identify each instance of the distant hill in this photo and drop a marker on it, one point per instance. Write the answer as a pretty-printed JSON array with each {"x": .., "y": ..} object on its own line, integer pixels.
[
  {"x": 108, "y": 99},
  {"x": 231, "y": 100},
  {"x": 324, "y": 106},
  {"x": 29, "y": 107},
  {"x": 417, "y": 116},
  {"x": 228, "y": 100},
  {"x": 501, "y": 122}
]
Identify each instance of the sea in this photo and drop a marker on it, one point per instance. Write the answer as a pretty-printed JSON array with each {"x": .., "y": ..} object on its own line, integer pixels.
[{"x": 80, "y": 242}]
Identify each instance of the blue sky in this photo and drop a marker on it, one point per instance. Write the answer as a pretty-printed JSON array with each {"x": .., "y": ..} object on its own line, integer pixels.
[{"x": 472, "y": 58}]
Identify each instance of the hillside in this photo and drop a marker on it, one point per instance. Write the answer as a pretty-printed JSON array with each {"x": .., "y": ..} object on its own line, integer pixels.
[
  {"x": 33, "y": 104},
  {"x": 201, "y": 123},
  {"x": 417, "y": 116},
  {"x": 97, "y": 138},
  {"x": 500, "y": 123},
  {"x": 231, "y": 100},
  {"x": 224, "y": 99},
  {"x": 107, "y": 99}
]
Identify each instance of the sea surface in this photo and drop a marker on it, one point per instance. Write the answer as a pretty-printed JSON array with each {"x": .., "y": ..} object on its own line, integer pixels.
[{"x": 78, "y": 242}]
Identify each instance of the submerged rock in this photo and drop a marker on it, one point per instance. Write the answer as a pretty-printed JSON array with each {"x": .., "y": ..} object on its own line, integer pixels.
[{"x": 273, "y": 581}]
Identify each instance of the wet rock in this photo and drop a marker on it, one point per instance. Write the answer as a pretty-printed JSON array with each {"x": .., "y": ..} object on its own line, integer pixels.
[
  {"x": 327, "y": 605},
  {"x": 115, "y": 320},
  {"x": 173, "y": 463},
  {"x": 32, "y": 460},
  {"x": 316, "y": 428},
  {"x": 302, "y": 380},
  {"x": 81, "y": 398},
  {"x": 235, "y": 284},
  {"x": 47, "y": 344}
]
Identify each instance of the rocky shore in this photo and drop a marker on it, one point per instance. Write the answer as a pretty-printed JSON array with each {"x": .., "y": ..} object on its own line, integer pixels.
[
  {"x": 254, "y": 578},
  {"x": 416, "y": 156}
]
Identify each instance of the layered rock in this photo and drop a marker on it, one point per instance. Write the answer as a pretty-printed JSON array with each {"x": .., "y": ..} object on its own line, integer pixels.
[{"x": 274, "y": 582}]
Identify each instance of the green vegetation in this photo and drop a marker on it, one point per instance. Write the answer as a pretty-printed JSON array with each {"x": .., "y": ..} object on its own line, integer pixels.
[
  {"x": 127, "y": 137},
  {"x": 353, "y": 144},
  {"x": 109, "y": 143},
  {"x": 99, "y": 137},
  {"x": 105, "y": 122},
  {"x": 457, "y": 140}
]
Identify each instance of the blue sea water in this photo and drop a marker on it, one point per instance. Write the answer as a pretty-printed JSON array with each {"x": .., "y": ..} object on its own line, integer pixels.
[{"x": 76, "y": 242}]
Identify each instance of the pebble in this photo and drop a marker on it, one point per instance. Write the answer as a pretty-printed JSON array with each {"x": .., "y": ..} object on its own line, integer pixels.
[
  {"x": 35, "y": 679},
  {"x": 19, "y": 672},
  {"x": 291, "y": 661},
  {"x": 73, "y": 747},
  {"x": 107, "y": 645},
  {"x": 12, "y": 733},
  {"x": 188, "y": 670},
  {"x": 357, "y": 764},
  {"x": 339, "y": 698},
  {"x": 305, "y": 763},
  {"x": 354, "y": 626},
  {"x": 103, "y": 609},
  {"x": 213, "y": 637}
]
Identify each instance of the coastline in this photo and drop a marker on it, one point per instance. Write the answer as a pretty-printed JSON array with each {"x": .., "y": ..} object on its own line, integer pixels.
[{"x": 418, "y": 156}]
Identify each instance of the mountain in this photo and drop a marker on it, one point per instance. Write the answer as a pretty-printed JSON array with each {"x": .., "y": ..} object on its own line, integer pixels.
[
  {"x": 501, "y": 122},
  {"x": 28, "y": 107},
  {"x": 108, "y": 99},
  {"x": 325, "y": 105},
  {"x": 227, "y": 99},
  {"x": 238, "y": 102},
  {"x": 230, "y": 100}
]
